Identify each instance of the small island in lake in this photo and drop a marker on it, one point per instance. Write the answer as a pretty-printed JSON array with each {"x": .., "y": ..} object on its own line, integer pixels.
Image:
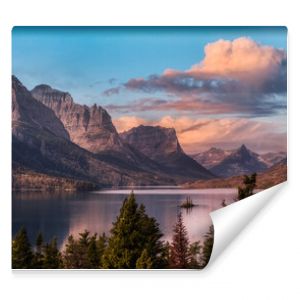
[{"x": 188, "y": 203}]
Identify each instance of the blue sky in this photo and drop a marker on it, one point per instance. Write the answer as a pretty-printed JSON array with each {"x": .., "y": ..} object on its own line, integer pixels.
[
  {"x": 82, "y": 60},
  {"x": 87, "y": 61}
]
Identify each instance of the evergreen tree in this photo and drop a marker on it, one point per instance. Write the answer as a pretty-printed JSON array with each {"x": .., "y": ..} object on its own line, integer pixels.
[
  {"x": 22, "y": 256},
  {"x": 52, "y": 256},
  {"x": 93, "y": 254},
  {"x": 249, "y": 183},
  {"x": 144, "y": 261},
  {"x": 133, "y": 232},
  {"x": 167, "y": 254},
  {"x": 101, "y": 244},
  {"x": 71, "y": 254},
  {"x": 83, "y": 249},
  {"x": 195, "y": 254},
  {"x": 207, "y": 246},
  {"x": 38, "y": 255},
  {"x": 180, "y": 255},
  {"x": 84, "y": 253},
  {"x": 150, "y": 239}
]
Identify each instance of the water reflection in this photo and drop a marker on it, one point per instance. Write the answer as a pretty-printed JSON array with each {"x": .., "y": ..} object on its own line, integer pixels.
[{"x": 61, "y": 214}]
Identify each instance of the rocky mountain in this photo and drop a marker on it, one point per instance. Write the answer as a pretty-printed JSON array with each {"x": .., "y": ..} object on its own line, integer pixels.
[
  {"x": 273, "y": 158},
  {"x": 211, "y": 157},
  {"x": 92, "y": 129},
  {"x": 42, "y": 145},
  {"x": 30, "y": 116},
  {"x": 89, "y": 127},
  {"x": 266, "y": 179},
  {"x": 161, "y": 145},
  {"x": 239, "y": 162}
]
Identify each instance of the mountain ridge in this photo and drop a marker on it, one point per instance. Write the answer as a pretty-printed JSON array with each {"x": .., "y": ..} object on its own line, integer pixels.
[
  {"x": 265, "y": 179},
  {"x": 161, "y": 144},
  {"x": 41, "y": 144},
  {"x": 92, "y": 128},
  {"x": 211, "y": 157},
  {"x": 239, "y": 162}
]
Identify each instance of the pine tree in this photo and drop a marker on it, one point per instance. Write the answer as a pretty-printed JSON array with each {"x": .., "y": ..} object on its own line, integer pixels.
[
  {"x": 71, "y": 254},
  {"x": 144, "y": 261},
  {"x": 84, "y": 253},
  {"x": 122, "y": 250},
  {"x": 151, "y": 238},
  {"x": 22, "y": 256},
  {"x": 52, "y": 256},
  {"x": 38, "y": 255},
  {"x": 83, "y": 249},
  {"x": 133, "y": 232},
  {"x": 101, "y": 244},
  {"x": 249, "y": 183},
  {"x": 207, "y": 246},
  {"x": 195, "y": 254},
  {"x": 180, "y": 255},
  {"x": 93, "y": 254}
]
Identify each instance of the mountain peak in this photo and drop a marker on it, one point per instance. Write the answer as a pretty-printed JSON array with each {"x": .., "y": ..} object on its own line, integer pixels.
[
  {"x": 154, "y": 141},
  {"x": 89, "y": 127},
  {"x": 27, "y": 112},
  {"x": 242, "y": 161},
  {"x": 43, "y": 87},
  {"x": 17, "y": 84},
  {"x": 50, "y": 96},
  {"x": 161, "y": 145},
  {"x": 243, "y": 148},
  {"x": 211, "y": 157}
]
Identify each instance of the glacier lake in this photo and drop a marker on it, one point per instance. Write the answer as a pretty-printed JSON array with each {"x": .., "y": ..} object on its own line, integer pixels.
[{"x": 59, "y": 214}]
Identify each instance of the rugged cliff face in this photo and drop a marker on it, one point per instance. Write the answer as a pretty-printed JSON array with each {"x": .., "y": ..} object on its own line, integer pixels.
[
  {"x": 146, "y": 148},
  {"x": 89, "y": 127},
  {"x": 155, "y": 142},
  {"x": 41, "y": 144},
  {"x": 161, "y": 145},
  {"x": 28, "y": 115}
]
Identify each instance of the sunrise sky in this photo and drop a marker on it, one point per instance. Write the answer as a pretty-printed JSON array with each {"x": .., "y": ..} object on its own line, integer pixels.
[{"x": 217, "y": 86}]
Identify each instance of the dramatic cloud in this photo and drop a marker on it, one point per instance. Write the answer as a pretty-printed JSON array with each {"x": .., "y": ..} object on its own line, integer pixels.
[
  {"x": 205, "y": 105},
  {"x": 241, "y": 76},
  {"x": 196, "y": 136},
  {"x": 242, "y": 59},
  {"x": 183, "y": 105}
]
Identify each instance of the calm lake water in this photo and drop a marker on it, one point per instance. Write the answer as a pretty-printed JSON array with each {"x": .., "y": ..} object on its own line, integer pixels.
[{"x": 62, "y": 214}]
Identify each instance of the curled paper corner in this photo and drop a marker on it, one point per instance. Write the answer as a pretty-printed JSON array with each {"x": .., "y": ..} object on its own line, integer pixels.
[{"x": 231, "y": 220}]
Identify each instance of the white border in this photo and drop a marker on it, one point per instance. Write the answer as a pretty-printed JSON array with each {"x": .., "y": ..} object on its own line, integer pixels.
[{"x": 262, "y": 263}]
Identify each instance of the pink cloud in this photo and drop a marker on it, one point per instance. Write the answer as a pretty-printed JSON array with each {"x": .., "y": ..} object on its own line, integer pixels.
[
  {"x": 241, "y": 59},
  {"x": 234, "y": 77}
]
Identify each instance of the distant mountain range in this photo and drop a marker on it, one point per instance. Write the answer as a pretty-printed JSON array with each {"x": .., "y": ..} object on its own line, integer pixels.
[
  {"x": 211, "y": 157},
  {"x": 59, "y": 143},
  {"x": 55, "y": 137},
  {"x": 227, "y": 163},
  {"x": 265, "y": 179}
]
